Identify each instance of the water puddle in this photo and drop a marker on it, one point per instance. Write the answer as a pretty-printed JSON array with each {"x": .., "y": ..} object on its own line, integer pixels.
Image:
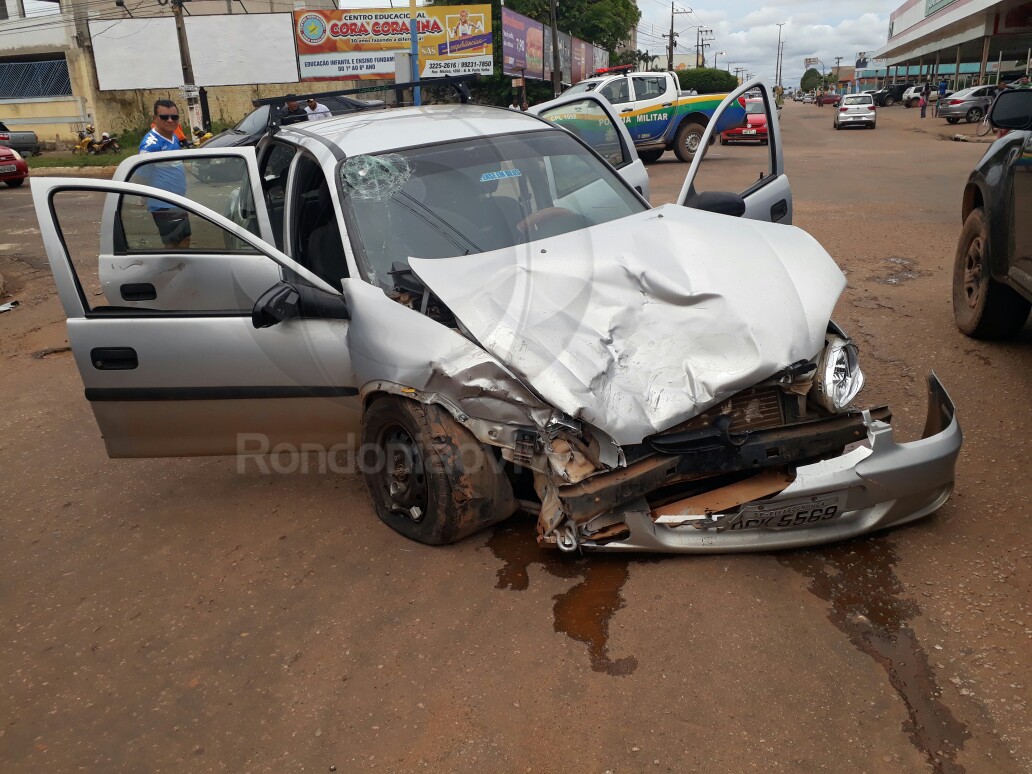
[
  {"x": 900, "y": 270},
  {"x": 585, "y": 611},
  {"x": 868, "y": 606}
]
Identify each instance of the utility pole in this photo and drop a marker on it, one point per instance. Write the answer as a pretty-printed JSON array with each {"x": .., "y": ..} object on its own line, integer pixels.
[
  {"x": 838, "y": 71},
  {"x": 700, "y": 54},
  {"x": 193, "y": 101},
  {"x": 673, "y": 35},
  {"x": 777, "y": 58},
  {"x": 557, "y": 75}
]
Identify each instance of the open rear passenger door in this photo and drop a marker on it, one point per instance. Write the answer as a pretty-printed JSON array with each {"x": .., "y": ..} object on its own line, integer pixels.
[
  {"x": 590, "y": 117},
  {"x": 745, "y": 174}
]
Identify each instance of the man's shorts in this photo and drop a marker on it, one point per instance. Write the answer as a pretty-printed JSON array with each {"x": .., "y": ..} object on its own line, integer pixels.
[{"x": 173, "y": 226}]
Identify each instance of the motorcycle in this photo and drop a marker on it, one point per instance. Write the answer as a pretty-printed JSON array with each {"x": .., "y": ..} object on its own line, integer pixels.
[
  {"x": 86, "y": 143},
  {"x": 107, "y": 144}
]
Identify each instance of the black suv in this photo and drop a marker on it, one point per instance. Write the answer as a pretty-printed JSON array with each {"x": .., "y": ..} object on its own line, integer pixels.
[
  {"x": 259, "y": 121},
  {"x": 992, "y": 270},
  {"x": 890, "y": 94}
]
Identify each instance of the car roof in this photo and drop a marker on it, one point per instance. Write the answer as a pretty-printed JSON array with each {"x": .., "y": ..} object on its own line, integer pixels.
[{"x": 376, "y": 131}]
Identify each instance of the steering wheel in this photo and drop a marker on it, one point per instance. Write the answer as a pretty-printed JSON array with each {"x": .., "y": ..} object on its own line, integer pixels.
[{"x": 536, "y": 220}]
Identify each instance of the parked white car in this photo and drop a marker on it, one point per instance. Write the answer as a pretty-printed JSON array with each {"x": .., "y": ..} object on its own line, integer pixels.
[{"x": 484, "y": 302}]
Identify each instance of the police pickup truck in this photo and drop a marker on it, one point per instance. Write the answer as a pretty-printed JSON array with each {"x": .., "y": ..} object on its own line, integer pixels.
[{"x": 658, "y": 115}]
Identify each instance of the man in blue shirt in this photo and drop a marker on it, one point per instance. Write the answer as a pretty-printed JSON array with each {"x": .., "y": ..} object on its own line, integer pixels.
[{"x": 173, "y": 223}]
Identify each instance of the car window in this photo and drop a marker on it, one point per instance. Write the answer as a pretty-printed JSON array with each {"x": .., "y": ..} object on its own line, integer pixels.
[
  {"x": 258, "y": 121},
  {"x": 274, "y": 166},
  {"x": 587, "y": 119},
  {"x": 315, "y": 241},
  {"x": 475, "y": 195},
  {"x": 648, "y": 86},
  {"x": 857, "y": 99},
  {"x": 754, "y": 108},
  {"x": 616, "y": 91},
  {"x": 217, "y": 273},
  {"x": 3, "y": 127},
  {"x": 582, "y": 87},
  {"x": 222, "y": 184}
]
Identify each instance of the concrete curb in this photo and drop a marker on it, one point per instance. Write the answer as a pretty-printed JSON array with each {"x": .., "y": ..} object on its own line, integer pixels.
[{"x": 105, "y": 173}]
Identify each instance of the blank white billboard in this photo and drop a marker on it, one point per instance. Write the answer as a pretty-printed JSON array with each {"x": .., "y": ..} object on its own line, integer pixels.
[
  {"x": 136, "y": 53},
  {"x": 225, "y": 50},
  {"x": 233, "y": 49}
]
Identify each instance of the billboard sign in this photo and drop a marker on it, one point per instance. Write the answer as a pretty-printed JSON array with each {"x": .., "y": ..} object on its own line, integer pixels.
[
  {"x": 523, "y": 45},
  {"x": 810, "y": 61},
  {"x": 360, "y": 44}
]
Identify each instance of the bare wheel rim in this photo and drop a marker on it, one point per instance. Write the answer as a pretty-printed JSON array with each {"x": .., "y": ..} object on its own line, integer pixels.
[
  {"x": 401, "y": 479},
  {"x": 974, "y": 279}
]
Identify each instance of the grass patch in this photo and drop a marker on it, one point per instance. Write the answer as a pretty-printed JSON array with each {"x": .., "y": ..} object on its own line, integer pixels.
[{"x": 69, "y": 159}]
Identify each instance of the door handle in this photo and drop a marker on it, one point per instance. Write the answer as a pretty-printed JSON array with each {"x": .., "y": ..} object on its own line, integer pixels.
[
  {"x": 668, "y": 104},
  {"x": 114, "y": 358},
  {"x": 138, "y": 291},
  {"x": 627, "y": 110},
  {"x": 778, "y": 210}
]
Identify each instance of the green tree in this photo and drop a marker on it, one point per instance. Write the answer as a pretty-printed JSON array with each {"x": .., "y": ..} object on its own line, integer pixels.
[
  {"x": 811, "y": 80},
  {"x": 707, "y": 80}
]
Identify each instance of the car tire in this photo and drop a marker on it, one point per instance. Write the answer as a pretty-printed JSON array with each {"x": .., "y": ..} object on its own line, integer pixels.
[
  {"x": 889, "y": 102},
  {"x": 722, "y": 140},
  {"x": 650, "y": 156},
  {"x": 952, "y": 120},
  {"x": 688, "y": 140},
  {"x": 425, "y": 459},
  {"x": 982, "y": 307},
  {"x": 974, "y": 115},
  {"x": 15, "y": 183}
]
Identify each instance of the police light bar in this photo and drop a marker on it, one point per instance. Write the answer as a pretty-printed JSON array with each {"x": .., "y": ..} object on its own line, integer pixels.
[{"x": 614, "y": 69}]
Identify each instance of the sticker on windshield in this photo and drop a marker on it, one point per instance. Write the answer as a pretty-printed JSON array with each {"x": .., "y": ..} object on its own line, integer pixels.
[
  {"x": 376, "y": 178},
  {"x": 500, "y": 175}
]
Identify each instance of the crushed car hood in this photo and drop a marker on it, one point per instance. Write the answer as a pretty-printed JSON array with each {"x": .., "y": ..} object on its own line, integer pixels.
[{"x": 639, "y": 324}]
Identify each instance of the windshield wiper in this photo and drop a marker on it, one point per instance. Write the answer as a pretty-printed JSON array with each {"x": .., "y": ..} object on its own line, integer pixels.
[{"x": 437, "y": 223}]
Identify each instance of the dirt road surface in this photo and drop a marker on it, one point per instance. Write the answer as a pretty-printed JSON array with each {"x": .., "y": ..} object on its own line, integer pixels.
[{"x": 184, "y": 615}]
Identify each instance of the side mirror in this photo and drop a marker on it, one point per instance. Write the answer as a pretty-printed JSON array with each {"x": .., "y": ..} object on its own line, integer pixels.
[
  {"x": 1012, "y": 109},
  {"x": 720, "y": 202},
  {"x": 287, "y": 301},
  {"x": 278, "y": 303}
]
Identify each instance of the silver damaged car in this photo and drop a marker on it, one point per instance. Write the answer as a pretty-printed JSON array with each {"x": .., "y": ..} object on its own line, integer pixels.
[{"x": 480, "y": 307}]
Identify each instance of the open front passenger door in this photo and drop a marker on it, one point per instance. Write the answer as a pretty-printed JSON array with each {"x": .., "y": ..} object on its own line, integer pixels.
[{"x": 185, "y": 372}]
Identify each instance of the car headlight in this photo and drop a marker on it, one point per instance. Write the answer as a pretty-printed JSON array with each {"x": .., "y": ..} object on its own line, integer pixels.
[
  {"x": 839, "y": 378},
  {"x": 17, "y": 156}
]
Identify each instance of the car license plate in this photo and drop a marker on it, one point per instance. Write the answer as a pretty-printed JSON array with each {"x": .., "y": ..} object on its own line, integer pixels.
[
  {"x": 748, "y": 131},
  {"x": 804, "y": 512},
  {"x": 8, "y": 168}
]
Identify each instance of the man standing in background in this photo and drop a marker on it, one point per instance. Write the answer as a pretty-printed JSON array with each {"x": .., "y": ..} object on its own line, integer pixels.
[
  {"x": 316, "y": 110},
  {"x": 173, "y": 223}
]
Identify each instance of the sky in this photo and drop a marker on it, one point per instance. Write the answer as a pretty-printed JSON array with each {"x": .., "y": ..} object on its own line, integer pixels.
[{"x": 747, "y": 31}]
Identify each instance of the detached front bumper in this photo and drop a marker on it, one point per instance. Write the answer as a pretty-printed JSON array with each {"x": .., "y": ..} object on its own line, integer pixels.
[{"x": 879, "y": 485}]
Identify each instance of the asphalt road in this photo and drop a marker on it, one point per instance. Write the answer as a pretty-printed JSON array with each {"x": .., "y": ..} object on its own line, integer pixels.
[{"x": 181, "y": 615}]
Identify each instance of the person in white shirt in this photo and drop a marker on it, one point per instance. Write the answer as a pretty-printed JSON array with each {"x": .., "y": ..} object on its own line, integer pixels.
[{"x": 316, "y": 110}]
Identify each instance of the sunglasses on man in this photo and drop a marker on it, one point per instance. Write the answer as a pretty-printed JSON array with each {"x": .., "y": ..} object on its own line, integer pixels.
[{"x": 168, "y": 117}]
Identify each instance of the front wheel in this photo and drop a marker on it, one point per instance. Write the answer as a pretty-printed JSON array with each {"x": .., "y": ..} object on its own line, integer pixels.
[
  {"x": 688, "y": 140},
  {"x": 952, "y": 120},
  {"x": 974, "y": 115},
  {"x": 650, "y": 156},
  {"x": 982, "y": 307},
  {"x": 429, "y": 478},
  {"x": 15, "y": 183},
  {"x": 889, "y": 102}
]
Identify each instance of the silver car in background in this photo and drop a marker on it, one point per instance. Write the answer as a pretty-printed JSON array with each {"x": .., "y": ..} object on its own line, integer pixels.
[
  {"x": 970, "y": 104},
  {"x": 856, "y": 110}
]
